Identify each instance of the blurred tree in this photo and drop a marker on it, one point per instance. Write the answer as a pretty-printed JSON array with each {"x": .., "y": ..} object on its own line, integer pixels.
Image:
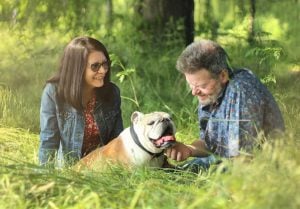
[
  {"x": 65, "y": 14},
  {"x": 241, "y": 11},
  {"x": 159, "y": 14},
  {"x": 210, "y": 21},
  {"x": 109, "y": 13},
  {"x": 251, "y": 32}
]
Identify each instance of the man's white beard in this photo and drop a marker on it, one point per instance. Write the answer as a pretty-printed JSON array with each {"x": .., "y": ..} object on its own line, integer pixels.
[{"x": 212, "y": 98}]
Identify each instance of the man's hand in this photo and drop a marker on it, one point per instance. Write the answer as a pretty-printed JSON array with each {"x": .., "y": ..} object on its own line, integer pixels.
[{"x": 179, "y": 152}]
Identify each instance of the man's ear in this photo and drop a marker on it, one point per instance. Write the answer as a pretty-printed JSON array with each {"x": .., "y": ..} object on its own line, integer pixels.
[
  {"x": 224, "y": 76},
  {"x": 136, "y": 116}
]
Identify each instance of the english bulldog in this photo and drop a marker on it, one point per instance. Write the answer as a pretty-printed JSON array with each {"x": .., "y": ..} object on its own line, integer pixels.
[{"x": 141, "y": 144}]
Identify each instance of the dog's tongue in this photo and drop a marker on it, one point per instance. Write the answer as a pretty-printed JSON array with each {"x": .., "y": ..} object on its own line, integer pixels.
[{"x": 164, "y": 139}]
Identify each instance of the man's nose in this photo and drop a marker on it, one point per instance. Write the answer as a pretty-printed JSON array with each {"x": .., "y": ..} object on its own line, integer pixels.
[{"x": 195, "y": 91}]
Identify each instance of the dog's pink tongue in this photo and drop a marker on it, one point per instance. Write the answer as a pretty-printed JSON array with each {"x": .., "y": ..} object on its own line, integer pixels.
[{"x": 165, "y": 139}]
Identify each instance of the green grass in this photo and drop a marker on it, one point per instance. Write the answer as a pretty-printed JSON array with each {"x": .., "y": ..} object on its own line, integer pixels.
[{"x": 270, "y": 180}]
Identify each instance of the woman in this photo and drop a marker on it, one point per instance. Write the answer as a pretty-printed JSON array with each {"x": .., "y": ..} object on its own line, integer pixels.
[{"x": 80, "y": 107}]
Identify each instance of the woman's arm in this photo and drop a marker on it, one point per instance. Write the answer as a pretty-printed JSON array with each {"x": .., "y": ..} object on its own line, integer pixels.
[{"x": 49, "y": 131}]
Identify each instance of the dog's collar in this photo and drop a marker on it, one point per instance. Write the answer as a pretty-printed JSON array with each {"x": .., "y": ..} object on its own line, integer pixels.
[{"x": 137, "y": 141}]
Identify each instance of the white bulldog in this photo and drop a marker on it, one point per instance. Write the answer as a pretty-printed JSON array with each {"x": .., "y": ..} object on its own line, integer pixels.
[{"x": 143, "y": 143}]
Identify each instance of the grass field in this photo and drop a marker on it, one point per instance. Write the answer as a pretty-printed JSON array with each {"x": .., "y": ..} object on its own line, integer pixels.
[{"x": 270, "y": 180}]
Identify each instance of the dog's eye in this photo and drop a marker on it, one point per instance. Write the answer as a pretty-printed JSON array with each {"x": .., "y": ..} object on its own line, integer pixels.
[{"x": 150, "y": 123}]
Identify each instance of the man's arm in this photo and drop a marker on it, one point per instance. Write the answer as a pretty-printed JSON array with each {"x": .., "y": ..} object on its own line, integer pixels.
[{"x": 180, "y": 151}]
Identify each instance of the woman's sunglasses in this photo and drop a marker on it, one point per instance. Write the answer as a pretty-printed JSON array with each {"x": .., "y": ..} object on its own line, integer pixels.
[{"x": 97, "y": 65}]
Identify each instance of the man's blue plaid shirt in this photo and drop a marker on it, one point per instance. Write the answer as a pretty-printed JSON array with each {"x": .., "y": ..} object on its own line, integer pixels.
[{"x": 245, "y": 109}]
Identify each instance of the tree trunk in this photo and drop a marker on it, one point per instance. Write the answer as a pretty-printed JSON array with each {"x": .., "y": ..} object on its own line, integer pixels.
[
  {"x": 241, "y": 12},
  {"x": 159, "y": 14},
  {"x": 109, "y": 13},
  {"x": 251, "y": 32},
  {"x": 212, "y": 23}
]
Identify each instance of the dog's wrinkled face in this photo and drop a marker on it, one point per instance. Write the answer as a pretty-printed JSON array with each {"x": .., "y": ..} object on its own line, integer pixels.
[{"x": 157, "y": 127}]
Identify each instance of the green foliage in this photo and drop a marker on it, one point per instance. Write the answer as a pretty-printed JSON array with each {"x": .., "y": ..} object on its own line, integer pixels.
[
  {"x": 126, "y": 73},
  {"x": 266, "y": 57},
  {"x": 269, "y": 54}
]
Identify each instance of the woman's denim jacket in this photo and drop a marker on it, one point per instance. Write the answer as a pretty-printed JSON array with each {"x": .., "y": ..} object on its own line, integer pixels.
[{"x": 62, "y": 126}]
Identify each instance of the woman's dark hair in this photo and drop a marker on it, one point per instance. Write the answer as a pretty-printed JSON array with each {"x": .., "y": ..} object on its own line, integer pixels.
[{"x": 70, "y": 75}]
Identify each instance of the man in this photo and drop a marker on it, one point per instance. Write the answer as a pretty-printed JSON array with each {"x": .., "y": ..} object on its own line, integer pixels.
[{"x": 234, "y": 107}]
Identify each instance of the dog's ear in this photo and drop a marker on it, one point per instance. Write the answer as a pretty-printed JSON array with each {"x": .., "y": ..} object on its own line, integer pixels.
[{"x": 135, "y": 116}]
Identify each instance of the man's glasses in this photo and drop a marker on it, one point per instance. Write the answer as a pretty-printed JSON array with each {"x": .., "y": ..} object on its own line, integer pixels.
[{"x": 97, "y": 65}]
